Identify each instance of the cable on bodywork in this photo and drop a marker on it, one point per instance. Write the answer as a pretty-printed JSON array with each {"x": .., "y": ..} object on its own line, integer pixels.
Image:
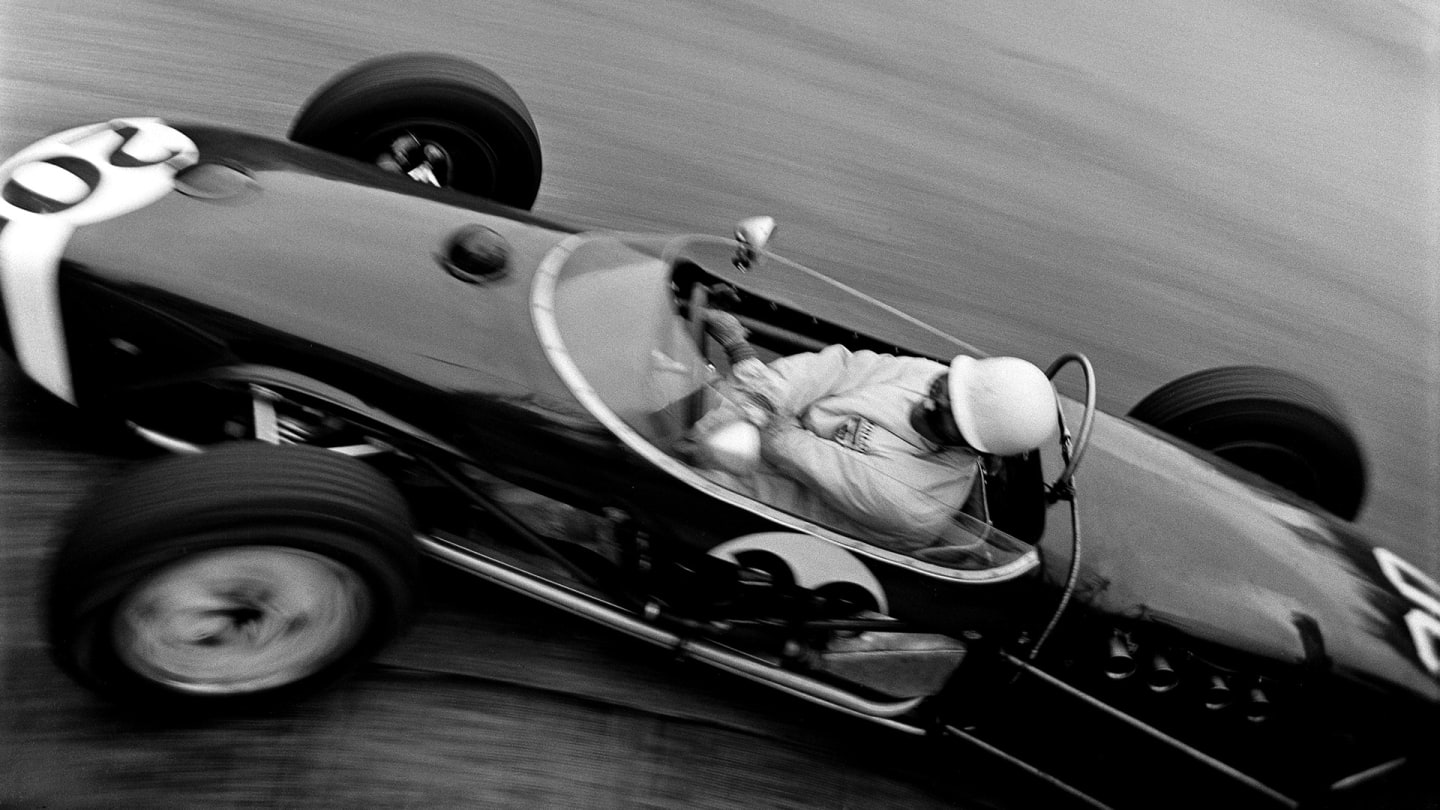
[{"x": 1064, "y": 486}]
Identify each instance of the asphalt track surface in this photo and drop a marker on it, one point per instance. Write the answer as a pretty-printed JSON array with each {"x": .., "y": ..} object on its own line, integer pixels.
[{"x": 1165, "y": 186}]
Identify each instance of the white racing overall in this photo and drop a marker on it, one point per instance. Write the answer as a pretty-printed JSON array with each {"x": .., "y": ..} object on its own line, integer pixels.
[{"x": 838, "y": 446}]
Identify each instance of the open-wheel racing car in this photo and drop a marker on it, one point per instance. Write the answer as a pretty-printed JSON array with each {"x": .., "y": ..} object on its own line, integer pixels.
[{"x": 360, "y": 348}]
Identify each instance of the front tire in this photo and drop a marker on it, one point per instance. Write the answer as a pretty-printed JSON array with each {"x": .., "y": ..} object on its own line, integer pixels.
[
  {"x": 1280, "y": 426},
  {"x": 437, "y": 118},
  {"x": 251, "y": 572}
]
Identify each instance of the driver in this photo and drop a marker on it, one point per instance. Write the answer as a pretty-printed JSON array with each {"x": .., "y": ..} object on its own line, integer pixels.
[{"x": 880, "y": 446}]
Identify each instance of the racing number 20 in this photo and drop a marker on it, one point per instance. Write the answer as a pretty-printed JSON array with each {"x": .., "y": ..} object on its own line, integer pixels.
[{"x": 1423, "y": 619}]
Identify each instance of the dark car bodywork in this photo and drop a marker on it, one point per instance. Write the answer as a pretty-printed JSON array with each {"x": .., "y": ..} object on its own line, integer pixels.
[{"x": 1305, "y": 654}]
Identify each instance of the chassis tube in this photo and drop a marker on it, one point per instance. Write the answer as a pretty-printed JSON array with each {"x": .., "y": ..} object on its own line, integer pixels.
[{"x": 883, "y": 712}]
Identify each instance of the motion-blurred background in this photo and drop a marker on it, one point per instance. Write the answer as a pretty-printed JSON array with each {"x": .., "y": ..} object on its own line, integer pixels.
[{"x": 1165, "y": 186}]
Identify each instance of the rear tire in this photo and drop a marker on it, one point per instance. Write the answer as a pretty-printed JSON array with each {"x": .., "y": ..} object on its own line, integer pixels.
[
  {"x": 472, "y": 115},
  {"x": 249, "y": 573},
  {"x": 1277, "y": 425}
]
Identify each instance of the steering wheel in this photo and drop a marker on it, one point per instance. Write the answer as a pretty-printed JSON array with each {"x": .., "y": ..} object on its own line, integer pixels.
[
  {"x": 695, "y": 317},
  {"x": 695, "y": 320},
  {"x": 1070, "y": 451}
]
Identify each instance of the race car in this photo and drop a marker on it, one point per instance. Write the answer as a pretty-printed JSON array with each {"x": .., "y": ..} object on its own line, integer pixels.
[{"x": 358, "y": 348}]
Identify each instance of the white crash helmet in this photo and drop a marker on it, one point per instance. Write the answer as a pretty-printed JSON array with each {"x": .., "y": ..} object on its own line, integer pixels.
[{"x": 1002, "y": 405}]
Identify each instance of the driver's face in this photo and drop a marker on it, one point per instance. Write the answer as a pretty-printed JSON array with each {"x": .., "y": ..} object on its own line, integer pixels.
[{"x": 933, "y": 418}]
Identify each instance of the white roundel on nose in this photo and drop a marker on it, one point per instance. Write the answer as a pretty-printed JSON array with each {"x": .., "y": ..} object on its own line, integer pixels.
[{"x": 80, "y": 176}]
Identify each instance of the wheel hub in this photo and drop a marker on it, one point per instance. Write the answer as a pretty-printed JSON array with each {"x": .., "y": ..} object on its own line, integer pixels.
[
  {"x": 241, "y": 620},
  {"x": 424, "y": 161}
]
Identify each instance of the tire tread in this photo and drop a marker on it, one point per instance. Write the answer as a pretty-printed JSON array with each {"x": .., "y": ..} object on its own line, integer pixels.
[{"x": 1220, "y": 401}]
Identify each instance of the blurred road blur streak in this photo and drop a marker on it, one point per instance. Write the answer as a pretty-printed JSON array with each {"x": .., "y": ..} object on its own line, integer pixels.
[{"x": 1165, "y": 186}]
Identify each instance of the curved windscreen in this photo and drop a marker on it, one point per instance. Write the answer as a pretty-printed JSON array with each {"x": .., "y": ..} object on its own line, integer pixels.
[
  {"x": 610, "y": 316},
  {"x": 617, "y": 319}
]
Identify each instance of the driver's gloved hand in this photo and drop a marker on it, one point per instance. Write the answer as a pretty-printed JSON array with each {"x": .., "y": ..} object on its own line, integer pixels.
[{"x": 730, "y": 334}]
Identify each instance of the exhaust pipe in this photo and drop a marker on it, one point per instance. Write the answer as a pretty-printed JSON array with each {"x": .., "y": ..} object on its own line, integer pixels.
[
  {"x": 1119, "y": 662},
  {"x": 1162, "y": 676},
  {"x": 1218, "y": 694},
  {"x": 1257, "y": 705}
]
